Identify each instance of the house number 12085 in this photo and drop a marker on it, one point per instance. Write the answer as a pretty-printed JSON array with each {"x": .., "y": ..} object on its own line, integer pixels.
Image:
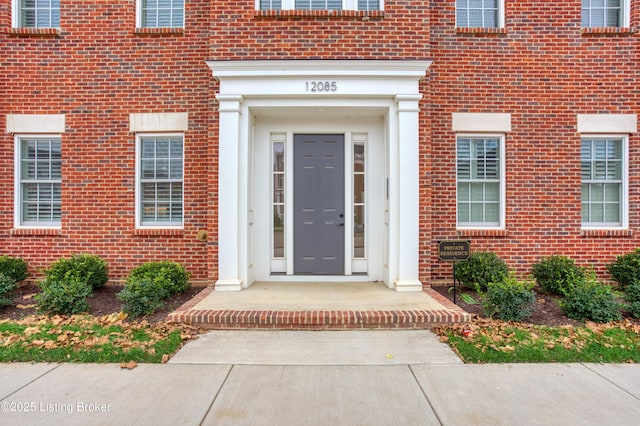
[{"x": 321, "y": 86}]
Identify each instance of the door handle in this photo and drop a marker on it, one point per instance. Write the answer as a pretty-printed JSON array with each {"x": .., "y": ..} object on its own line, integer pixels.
[{"x": 341, "y": 220}]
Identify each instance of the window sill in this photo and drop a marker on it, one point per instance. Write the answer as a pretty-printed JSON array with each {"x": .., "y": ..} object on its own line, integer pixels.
[
  {"x": 364, "y": 15},
  {"x": 480, "y": 31},
  {"x": 607, "y": 31},
  {"x": 37, "y": 231},
  {"x": 159, "y": 232},
  {"x": 606, "y": 233},
  {"x": 482, "y": 232},
  {"x": 40, "y": 32},
  {"x": 159, "y": 31}
]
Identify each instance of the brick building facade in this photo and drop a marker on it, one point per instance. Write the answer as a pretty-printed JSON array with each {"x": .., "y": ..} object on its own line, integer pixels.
[{"x": 142, "y": 131}]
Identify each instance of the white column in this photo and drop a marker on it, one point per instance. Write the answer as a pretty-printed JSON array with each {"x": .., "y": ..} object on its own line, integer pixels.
[
  {"x": 228, "y": 194},
  {"x": 408, "y": 194}
]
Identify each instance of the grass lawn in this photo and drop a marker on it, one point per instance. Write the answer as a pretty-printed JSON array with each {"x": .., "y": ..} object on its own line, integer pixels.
[
  {"x": 80, "y": 338},
  {"x": 489, "y": 341}
]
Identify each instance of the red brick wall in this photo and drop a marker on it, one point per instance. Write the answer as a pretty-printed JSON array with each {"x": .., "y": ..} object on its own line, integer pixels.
[
  {"x": 543, "y": 71},
  {"x": 96, "y": 72}
]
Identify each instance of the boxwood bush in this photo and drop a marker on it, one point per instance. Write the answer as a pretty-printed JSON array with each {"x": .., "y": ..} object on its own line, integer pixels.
[
  {"x": 591, "y": 300},
  {"x": 557, "y": 274},
  {"x": 7, "y": 287},
  {"x": 66, "y": 296},
  {"x": 149, "y": 284},
  {"x": 632, "y": 297},
  {"x": 86, "y": 267},
  {"x": 481, "y": 268},
  {"x": 626, "y": 269},
  {"x": 508, "y": 300},
  {"x": 13, "y": 267}
]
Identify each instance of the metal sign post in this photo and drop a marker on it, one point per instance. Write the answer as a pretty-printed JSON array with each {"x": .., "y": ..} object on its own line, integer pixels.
[{"x": 453, "y": 251}]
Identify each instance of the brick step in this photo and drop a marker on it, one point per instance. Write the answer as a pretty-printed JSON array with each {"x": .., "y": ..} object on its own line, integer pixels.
[{"x": 317, "y": 319}]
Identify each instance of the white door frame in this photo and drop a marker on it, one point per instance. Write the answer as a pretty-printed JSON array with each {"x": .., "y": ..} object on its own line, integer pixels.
[
  {"x": 360, "y": 85},
  {"x": 366, "y": 127}
]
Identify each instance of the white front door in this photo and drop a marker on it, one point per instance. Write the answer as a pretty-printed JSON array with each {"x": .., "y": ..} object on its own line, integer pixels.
[{"x": 346, "y": 240}]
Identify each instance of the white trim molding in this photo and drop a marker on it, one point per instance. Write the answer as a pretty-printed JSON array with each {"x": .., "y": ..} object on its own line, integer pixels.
[
  {"x": 159, "y": 122},
  {"x": 385, "y": 89},
  {"x": 35, "y": 123},
  {"x": 480, "y": 122},
  {"x": 607, "y": 123}
]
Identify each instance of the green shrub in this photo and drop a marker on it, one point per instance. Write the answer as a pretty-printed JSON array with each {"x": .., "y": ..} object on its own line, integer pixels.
[
  {"x": 591, "y": 300},
  {"x": 480, "y": 269},
  {"x": 7, "y": 287},
  {"x": 632, "y": 297},
  {"x": 149, "y": 284},
  {"x": 626, "y": 269},
  {"x": 173, "y": 277},
  {"x": 141, "y": 296},
  {"x": 64, "y": 297},
  {"x": 86, "y": 267},
  {"x": 557, "y": 274},
  {"x": 13, "y": 267},
  {"x": 508, "y": 300}
]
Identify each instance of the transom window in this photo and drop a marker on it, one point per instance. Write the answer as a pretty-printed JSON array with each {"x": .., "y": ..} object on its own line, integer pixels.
[
  {"x": 603, "y": 169},
  {"x": 37, "y": 13},
  {"x": 480, "y": 181},
  {"x": 39, "y": 181},
  {"x": 319, "y": 4},
  {"x": 479, "y": 13},
  {"x": 160, "y": 180},
  {"x": 160, "y": 13},
  {"x": 604, "y": 13}
]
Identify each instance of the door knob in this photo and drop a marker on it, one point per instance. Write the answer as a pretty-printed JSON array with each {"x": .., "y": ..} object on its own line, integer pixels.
[{"x": 341, "y": 220}]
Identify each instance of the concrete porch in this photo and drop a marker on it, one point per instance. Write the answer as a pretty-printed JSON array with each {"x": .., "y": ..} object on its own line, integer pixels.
[{"x": 318, "y": 306}]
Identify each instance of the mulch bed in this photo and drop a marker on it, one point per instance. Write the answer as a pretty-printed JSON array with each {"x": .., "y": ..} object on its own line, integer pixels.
[
  {"x": 103, "y": 302},
  {"x": 545, "y": 311}
]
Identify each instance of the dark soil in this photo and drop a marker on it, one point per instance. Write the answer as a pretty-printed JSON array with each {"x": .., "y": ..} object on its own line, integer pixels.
[
  {"x": 103, "y": 302},
  {"x": 545, "y": 311}
]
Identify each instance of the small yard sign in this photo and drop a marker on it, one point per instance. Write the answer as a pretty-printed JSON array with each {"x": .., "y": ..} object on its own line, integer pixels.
[{"x": 453, "y": 250}]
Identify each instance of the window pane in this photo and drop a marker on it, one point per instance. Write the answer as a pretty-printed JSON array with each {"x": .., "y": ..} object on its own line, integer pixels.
[
  {"x": 358, "y": 232},
  {"x": 278, "y": 231},
  {"x": 492, "y": 214},
  {"x": 612, "y": 213}
]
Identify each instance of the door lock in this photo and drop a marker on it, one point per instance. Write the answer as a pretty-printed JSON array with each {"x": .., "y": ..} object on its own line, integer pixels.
[{"x": 341, "y": 220}]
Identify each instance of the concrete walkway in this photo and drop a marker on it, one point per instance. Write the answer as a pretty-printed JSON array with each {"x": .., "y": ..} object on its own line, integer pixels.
[{"x": 317, "y": 378}]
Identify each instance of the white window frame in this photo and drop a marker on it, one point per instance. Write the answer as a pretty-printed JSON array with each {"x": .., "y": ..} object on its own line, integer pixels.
[
  {"x": 138, "y": 190},
  {"x": 502, "y": 191},
  {"x": 18, "y": 222},
  {"x": 625, "y": 19},
  {"x": 624, "y": 196},
  {"x": 16, "y": 15},
  {"x": 501, "y": 19},
  {"x": 346, "y": 5},
  {"x": 140, "y": 22}
]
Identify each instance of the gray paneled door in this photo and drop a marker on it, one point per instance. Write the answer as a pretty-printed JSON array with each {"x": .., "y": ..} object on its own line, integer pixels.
[{"x": 318, "y": 202}]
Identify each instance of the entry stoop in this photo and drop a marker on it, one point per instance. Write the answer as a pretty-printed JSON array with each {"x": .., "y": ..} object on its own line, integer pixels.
[{"x": 318, "y": 306}]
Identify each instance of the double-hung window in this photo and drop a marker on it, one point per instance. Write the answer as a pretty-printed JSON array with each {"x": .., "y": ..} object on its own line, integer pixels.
[
  {"x": 36, "y": 13},
  {"x": 159, "y": 195},
  {"x": 605, "y": 13},
  {"x": 38, "y": 181},
  {"x": 603, "y": 166},
  {"x": 160, "y": 13},
  {"x": 319, "y": 4},
  {"x": 479, "y": 13},
  {"x": 480, "y": 181}
]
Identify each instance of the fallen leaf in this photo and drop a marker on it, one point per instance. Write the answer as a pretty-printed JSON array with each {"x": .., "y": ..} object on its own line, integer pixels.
[
  {"x": 28, "y": 296},
  {"x": 128, "y": 365},
  {"x": 165, "y": 358},
  {"x": 19, "y": 306},
  {"x": 389, "y": 356}
]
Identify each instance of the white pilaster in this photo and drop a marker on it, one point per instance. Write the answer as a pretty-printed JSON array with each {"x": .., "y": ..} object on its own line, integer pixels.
[
  {"x": 408, "y": 194},
  {"x": 228, "y": 194}
]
